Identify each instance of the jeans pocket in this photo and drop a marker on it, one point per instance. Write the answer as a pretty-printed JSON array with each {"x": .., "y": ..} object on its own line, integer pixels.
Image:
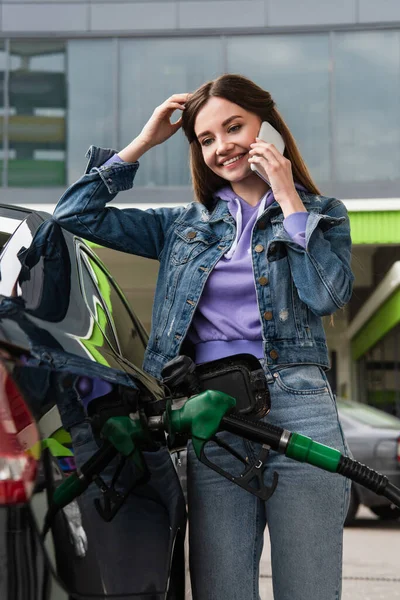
[{"x": 301, "y": 379}]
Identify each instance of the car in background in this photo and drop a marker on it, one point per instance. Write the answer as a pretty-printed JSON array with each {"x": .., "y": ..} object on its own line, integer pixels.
[
  {"x": 373, "y": 437},
  {"x": 64, "y": 322}
]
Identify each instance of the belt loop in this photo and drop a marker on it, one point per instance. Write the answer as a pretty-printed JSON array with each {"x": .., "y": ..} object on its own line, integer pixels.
[{"x": 267, "y": 371}]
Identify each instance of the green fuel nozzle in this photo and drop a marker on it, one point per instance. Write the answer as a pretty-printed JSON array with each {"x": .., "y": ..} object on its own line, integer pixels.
[
  {"x": 78, "y": 482},
  {"x": 121, "y": 436},
  {"x": 201, "y": 417}
]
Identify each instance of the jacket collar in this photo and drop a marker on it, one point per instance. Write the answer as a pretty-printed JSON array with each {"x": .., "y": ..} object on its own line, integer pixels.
[{"x": 220, "y": 211}]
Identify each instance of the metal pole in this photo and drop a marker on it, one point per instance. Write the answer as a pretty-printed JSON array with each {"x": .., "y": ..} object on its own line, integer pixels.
[{"x": 6, "y": 104}]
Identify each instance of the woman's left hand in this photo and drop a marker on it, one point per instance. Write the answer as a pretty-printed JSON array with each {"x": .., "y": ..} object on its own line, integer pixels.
[{"x": 278, "y": 171}]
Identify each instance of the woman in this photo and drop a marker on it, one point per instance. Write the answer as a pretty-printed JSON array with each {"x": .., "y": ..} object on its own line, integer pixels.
[{"x": 250, "y": 266}]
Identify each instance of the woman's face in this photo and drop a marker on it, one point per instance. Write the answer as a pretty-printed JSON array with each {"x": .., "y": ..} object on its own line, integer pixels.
[{"x": 225, "y": 132}]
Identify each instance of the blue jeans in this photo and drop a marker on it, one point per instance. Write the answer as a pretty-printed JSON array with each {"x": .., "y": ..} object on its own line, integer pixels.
[{"x": 305, "y": 515}]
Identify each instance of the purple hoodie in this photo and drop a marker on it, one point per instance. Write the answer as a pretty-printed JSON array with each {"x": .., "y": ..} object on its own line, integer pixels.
[{"x": 227, "y": 319}]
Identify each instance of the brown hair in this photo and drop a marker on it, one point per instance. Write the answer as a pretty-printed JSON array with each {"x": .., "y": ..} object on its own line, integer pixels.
[{"x": 254, "y": 99}]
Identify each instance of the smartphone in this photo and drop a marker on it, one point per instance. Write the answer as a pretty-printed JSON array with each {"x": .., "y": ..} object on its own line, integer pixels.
[{"x": 269, "y": 134}]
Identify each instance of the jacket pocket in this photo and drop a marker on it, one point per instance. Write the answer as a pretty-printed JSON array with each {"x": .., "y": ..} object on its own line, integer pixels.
[{"x": 189, "y": 242}]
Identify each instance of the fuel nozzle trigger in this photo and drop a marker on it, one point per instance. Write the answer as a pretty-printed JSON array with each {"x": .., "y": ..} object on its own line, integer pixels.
[
  {"x": 252, "y": 477},
  {"x": 124, "y": 434},
  {"x": 111, "y": 501}
]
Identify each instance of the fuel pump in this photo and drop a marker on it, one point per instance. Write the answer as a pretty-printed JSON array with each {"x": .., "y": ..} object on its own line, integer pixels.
[{"x": 197, "y": 406}]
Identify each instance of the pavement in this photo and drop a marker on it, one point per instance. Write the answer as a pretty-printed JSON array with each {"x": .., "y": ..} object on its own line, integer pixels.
[
  {"x": 371, "y": 565},
  {"x": 371, "y": 561}
]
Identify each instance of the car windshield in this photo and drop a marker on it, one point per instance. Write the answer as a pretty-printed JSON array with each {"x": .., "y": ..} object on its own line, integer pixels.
[
  {"x": 7, "y": 228},
  {"x": 368, "y": 415}
]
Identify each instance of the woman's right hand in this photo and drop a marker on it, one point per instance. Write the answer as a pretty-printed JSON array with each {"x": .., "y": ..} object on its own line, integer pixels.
[{"x": 159, "y": 127}]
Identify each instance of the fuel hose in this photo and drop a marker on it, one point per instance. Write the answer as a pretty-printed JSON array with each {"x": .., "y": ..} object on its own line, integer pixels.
[{"x": 304, "y": 449}]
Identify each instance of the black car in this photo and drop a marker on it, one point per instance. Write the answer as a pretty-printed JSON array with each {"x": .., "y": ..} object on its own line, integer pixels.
[{"x": 65, "y": 330}]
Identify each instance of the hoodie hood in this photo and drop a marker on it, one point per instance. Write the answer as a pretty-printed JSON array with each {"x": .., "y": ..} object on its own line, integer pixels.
[{"x": 235, "y": 208}]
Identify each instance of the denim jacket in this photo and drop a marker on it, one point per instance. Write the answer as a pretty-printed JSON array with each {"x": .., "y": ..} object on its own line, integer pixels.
[{"x": 295, "y": 286}]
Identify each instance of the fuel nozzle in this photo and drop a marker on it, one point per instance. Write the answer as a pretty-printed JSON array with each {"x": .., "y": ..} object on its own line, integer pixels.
[{"x": 78, "y": 482}]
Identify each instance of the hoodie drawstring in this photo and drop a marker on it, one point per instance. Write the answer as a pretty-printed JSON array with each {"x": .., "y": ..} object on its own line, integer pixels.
[{"x": 239, "y": 224}]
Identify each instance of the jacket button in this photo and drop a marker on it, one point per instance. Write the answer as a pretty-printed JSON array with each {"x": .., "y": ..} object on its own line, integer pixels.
[
  {"x": 273, "y": 354},
  {"x": 259, "y": 248},
  {"x": 268, "y": 315},
  {"x": 263, "y": 280},
  {"x": 191, "y": 235}
]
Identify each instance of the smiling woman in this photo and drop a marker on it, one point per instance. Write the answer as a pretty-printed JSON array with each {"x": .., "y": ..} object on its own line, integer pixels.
[
  {"x": 234, "y": 127},
  {"x": 249, "y": 267}
]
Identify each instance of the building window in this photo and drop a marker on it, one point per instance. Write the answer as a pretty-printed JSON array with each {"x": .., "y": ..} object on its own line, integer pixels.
[
  {"x": 36, "y": 126},
  {"x": 295, "y": 70},
  {"x": 150, "y": 71},
  {"x": 366, "y": 106},
  {"x": 92, "y": 100}
]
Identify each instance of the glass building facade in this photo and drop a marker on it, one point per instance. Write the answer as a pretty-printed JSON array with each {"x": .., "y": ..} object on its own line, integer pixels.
[{"x": 338, "y": 91}]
